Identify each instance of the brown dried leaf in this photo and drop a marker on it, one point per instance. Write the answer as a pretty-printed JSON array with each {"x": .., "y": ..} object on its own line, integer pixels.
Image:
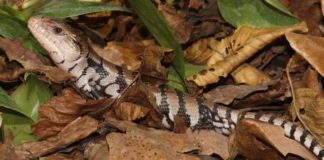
[
  {"x": 196, "y": 4},
  {"x": 126, "y": 55},
  {"x": 309, "y": 108},
  {"x": 130, "y": 111},
  {"x": 7, "y": 151},
  {"x": 180, "y": 27},
  {"x": 309, "y": 47},
  {"x": 31, "y": 61},
  {"x": 148, "y": 143},
  {"x": 244, "y": 43},
  {"x": 9, "y": 72},
  {"x": 61, "y": 110},
  {"x": 246, "y": 74},
  {"x": 211, "y": 142},
  {"x": 227, "y": 93},
  {"x": 97, "y": 150},
  {"x": 76, "y": 130},
  {"x": 258, "y": 140},
  {"x": 308, "y": 11}
]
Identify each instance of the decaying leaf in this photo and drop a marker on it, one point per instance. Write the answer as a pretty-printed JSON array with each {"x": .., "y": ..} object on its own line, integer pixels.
[
  {"x": 227, "y": 93},
  {"x": 9, "y": 71},
  {"x": 212, "y": 142},
  {"x": 97, "y": 149},
  {"x": 74, "y": 131},
  {"x": 246, "y": 74},
  {"x": 258, "y": 140},
  {"x": 130, "y": 111},
  {"x": 180, "y": 27},
  {"x": 7, "y": 151},
  {"x": 148, "y": 143},
  {"x": 132, "y": 55},
  {"x": 31, "y": 61},
  {"x": 61, "y": 110},
  {"x": 244, "y": 43},
  {"x": 309, "y": 108},
  {"x": 126, "y": 55},
  {"x": 309, "y": 47}
]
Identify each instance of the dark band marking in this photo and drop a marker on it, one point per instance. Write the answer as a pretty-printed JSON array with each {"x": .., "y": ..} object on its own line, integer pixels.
[
  {"x": 303, "y": 137},
  {"x": 242, "y": 115},
  {"x": 258, "y": 115},
  {"x": 313, "y": 144},
  {"x": 164, "y": 105},
  {"x": 61, "y": 62},
  {"x": 71, "y": 68},
  {"x": 321, "y": 154},
  {"x": 272, "y": 118},
  {"x": 120, "y": 80},
  {"x": 292, "y": 131},
  {"x": 182, "y": 112},
  {"x": 283, "y": 123}
]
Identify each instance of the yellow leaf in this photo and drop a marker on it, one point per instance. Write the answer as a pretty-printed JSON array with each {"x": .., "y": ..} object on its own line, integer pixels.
[{"x": 244, "y": 43}]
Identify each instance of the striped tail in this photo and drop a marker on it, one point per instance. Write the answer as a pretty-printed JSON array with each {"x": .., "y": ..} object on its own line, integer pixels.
[{"x": 199, "y": 114}]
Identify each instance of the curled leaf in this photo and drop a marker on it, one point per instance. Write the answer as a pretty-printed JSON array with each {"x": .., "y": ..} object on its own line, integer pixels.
[
  {"x": 244, "y": 43},
  {"x": 31, "y": 61},
  {"x": 74, "y": 131},
  {"x": 309, "y": 108},
  {"x": 130, "y": 111},
  {"x": 257, "y": 140},
  {"x": 61, "y": 110},
  {"x": 309, "y": 47},
  {"x": 9, "y": 72}
]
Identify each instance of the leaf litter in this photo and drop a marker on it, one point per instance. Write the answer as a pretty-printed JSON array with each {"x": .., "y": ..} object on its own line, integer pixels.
[{"x": 264, "y": 73}]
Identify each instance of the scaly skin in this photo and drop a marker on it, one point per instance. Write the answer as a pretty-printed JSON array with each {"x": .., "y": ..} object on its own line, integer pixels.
[{"x": 99, "y": 79}]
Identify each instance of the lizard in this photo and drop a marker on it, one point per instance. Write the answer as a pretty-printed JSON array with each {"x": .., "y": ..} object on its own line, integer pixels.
[{"x": 98, "y": 79}]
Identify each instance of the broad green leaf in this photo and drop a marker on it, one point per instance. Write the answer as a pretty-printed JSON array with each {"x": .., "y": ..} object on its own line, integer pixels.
[
  {"x": 191, "y": 69},
  {"x": 70, "y": 9},
  {"x": 12, "y": 28},
  {"x": 31, "y": 43},
  {"x": 254, "y": 12},
  {"x": 21, "y": 132},
  {"x": 155, "y": 23},
  {"x": 30, "y": 95},
  {"x": 278, "y": 5},
  {"x": 8, "y": 104}
]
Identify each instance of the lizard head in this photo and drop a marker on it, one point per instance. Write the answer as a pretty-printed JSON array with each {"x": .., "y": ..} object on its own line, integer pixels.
[{"x": 61, "y": 42}]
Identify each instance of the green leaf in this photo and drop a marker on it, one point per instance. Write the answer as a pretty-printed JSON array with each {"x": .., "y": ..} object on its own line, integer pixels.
[
  {"x": 278, "y": 5},
  {"x": 254, "y": 12},
  {"x": 21, "y": 132},
  {"x": 70, "y": 9},
  {"x": 163, "y": 34},
  {"x": 7, "y": 103},
  {"x": 30, "y": 95},
  {"x": 191, "y": 69},
  {"x": 12, "y": 28}
]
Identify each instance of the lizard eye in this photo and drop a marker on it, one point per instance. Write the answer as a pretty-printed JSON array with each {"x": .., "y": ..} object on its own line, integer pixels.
[{"x": 57, "y": 30}]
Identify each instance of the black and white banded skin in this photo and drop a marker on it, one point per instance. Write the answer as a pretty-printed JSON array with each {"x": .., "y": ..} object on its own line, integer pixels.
[{"x": 98, "y": 79}]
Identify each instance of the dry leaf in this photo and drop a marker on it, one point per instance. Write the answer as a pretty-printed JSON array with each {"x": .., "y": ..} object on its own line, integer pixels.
[
  {"x": 257, "y": 140},
  {"x": 143, "y": 143},
  {"x": 130, "y": 111},
  {"x": 244, "y": 43},
  {"x": 246, "y": 74},
  {"x": 309, "y": 47},
  {"x": 227, "y": 93},
  {"x": 61, "y": 110},
  {"x": 76, "y": 130},
  {"x": 97, "y": 149},
  {"x": 7, "y": 149},
  {"x": 309, "y": 108},
  {"x": 308, "y": 11},
  {"x": 180, "y": 27},
  {"x": 211, "y": 142},
  {"x": 9, "y": 72},
  {"x": 31, "y": 61},
  {"x": 126, "y": 55},
  {"x": 196, "y": 4}
]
